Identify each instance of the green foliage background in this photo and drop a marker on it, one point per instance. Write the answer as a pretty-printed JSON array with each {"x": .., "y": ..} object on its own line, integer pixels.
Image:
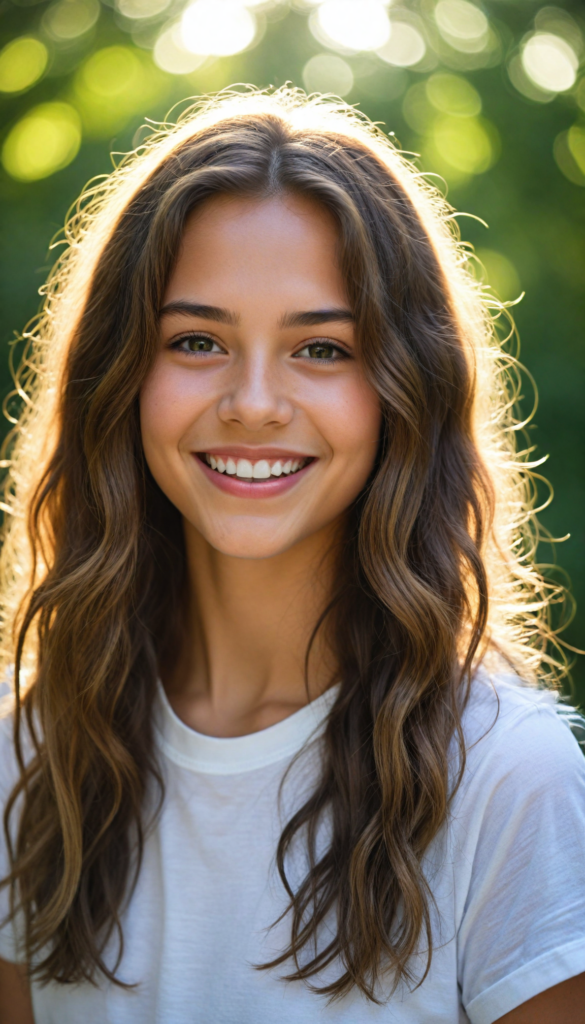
[{"x": 536, "y": 216}]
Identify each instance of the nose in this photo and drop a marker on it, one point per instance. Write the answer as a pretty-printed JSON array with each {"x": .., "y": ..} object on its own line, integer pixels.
[{"x": 255, "y": 396}]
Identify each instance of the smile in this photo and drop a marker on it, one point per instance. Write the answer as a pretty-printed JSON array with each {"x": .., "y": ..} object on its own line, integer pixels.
[
  {"x": 243, "y": 476},
  {"x": 262, "y": 469}
]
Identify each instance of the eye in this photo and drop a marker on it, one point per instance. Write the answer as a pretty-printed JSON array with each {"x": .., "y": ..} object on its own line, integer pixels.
[
  {"x": 196, "y": 343},
  {"x": 322, "y": 351}
]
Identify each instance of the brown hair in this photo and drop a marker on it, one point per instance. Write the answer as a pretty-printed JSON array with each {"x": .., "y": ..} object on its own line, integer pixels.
[{"x": 434, "y": 573}]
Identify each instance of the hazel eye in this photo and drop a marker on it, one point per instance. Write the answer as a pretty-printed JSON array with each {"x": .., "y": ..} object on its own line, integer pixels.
[
  {"x": 323, "y": 351},
  {"x": 196, "y": 343}
]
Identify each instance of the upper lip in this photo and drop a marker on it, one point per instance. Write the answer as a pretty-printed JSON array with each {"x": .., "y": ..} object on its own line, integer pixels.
[{"x": 253, "y": 454}]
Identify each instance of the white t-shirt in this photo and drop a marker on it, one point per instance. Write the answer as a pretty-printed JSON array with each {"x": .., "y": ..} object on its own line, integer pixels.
[{"x": 507, "y": 873}]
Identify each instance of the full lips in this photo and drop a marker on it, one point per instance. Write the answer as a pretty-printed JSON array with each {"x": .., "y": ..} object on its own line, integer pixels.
[{"x": 259, "y": 488}]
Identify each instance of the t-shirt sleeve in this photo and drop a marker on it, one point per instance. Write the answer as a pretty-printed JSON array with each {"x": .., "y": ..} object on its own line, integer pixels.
[{"x": 522, "y": 924}]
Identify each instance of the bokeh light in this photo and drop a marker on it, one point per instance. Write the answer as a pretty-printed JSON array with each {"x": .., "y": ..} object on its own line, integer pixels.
[
  {"x": 417, "y": 110},
  {"x": 463, "y": 25},
  {"x": 142, "y": 8},
  {"x": 217, "y": 27},
  {"x": 69, "y": 19},
  {"x": 569, "y": 153},
  {"x": 171, "y": 55},
  {"x": 405, "y": 47},
  {"x": 22, "y": 62},
  {"x": 353, "y": 26},
  {"x": 45, "y": 140},
  {"x": 111, "y": 85},
  {"x": 576, "y": 139},
  {"x": 550, "y": 62},
  {"x": 499, "y": 273},
  {"x": 444, "y": 111},
  {"x": 452, "y": 94},
  {"x": 524, "y": 84},
  {"x": 327, "y": 73},
  {"x": 560, "y": 23},
  {"x": 467, "y": 145}
]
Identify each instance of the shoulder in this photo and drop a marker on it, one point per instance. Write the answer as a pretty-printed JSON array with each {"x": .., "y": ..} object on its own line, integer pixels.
[
  {"x": 517, "y": 824},
  {"x": 517, "y": 743},
  {"x": 503, "y": 711}
]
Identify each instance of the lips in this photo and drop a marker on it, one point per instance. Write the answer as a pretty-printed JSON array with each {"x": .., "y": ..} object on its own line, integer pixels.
[{"x": 254, "y": 472}]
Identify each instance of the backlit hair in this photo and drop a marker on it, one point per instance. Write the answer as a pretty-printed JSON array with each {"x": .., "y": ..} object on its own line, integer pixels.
[{"x": 434, "y": 577}]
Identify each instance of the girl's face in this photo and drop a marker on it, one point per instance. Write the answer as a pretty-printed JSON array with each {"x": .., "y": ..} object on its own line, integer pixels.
[{"x": 257, "y": 420}]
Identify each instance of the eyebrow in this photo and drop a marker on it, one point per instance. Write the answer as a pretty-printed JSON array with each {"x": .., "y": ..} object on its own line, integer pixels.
[
  {"x": 183, "y": 308},
  {"x": 305, "y": 318},
  {"x": 314, "y": 317}
]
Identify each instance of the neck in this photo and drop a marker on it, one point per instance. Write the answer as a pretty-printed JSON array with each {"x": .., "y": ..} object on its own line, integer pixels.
[{"x": 249, "y": 623}]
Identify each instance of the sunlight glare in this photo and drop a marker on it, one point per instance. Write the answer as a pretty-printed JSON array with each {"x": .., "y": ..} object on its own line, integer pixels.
[
  {"x": 171, "y": 55},
  {"x": 217, "y": 27},
  {"x": 550, "y": 62},
  {"x": 354, "y": 26}
]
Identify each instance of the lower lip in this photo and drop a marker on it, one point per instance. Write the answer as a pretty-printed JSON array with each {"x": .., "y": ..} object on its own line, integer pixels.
[{"x": 260, "y": 488}]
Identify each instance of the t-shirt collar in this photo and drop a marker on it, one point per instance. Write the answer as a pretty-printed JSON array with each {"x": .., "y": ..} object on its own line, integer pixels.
[{"x": 228, "y": 756}]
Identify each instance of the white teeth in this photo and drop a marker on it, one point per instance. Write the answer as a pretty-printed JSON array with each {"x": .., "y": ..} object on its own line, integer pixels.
[
  {"x": 244, "y": 468},
  {"x": 247, "y": 470},
  {"x": 261, "y": 470}
]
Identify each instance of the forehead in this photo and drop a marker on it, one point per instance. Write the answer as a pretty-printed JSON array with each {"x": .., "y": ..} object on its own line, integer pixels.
[
  {"x": 278, "y": 244},
  {"x": 235, "y": 217}
]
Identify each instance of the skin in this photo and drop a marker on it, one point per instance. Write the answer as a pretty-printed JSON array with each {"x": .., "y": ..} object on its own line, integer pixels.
[
  {"x": 259, "y": 569},
  {"x": 15, "y": 1000}
]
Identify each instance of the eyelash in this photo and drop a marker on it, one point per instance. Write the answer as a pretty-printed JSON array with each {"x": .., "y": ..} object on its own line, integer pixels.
[
  {"x": 325, "y": 342},
  {"x": 176, "y": 344}
]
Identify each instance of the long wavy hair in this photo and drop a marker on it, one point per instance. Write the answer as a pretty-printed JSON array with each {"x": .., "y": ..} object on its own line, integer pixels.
[{"x": 436, "y": 571}]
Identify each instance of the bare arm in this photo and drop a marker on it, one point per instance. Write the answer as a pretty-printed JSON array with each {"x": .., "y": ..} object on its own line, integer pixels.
[
  {"x": 15, "y": 1001},
  {"x": 561, "y": 1004}
]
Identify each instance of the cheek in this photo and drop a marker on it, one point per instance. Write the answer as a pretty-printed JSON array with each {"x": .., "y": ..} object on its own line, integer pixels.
[
  {"x": 166, "y": 412},
  {"x": 354, "y": 423},
  {"x": 156, "y": 415},
  {"x": 168, "y": 407}
]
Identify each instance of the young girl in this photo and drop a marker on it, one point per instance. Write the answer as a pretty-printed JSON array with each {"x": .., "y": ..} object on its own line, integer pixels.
[{"x": 273, "y": 754}]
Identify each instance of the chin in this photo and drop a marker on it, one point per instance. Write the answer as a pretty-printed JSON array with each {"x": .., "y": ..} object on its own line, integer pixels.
[
  {"x": 253, "y": 550},
  {"x": 260, "y": 543}
]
